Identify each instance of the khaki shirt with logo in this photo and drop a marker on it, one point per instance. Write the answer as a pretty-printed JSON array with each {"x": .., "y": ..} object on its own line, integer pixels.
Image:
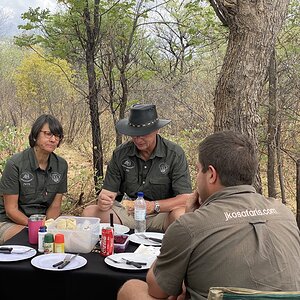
[
  {"x": 236, "y": 238},
  {"x": 164, "y": 175},
  {"x": 36, "y": 188}
]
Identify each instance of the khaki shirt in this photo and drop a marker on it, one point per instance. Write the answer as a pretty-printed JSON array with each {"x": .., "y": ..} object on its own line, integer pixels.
[
  {"x": 164, "y": 175},
  {"x": 36, "y": 188},
  {"x": 237, "y": 238}
]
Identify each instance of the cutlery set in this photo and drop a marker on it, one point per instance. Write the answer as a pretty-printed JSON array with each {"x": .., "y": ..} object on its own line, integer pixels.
[
  {"x": 61, "y": 264},
  {"x": 152, "y": 239},
  {"x": 136, "y": 264},
  {"x": 11, "y": 250}
]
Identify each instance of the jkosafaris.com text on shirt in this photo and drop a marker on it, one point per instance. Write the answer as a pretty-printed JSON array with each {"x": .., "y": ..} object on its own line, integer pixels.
[{"x": 250, "y": 213}]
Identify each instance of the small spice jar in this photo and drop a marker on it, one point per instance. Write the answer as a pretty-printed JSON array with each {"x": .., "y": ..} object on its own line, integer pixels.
[
  {"x": 59, "y": 243},
  {"x": 48, "y": 243}
]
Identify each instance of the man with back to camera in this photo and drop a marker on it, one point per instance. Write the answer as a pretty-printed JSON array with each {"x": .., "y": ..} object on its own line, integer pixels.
[
  {"x": 229, "y": 236},
  {"x": 147, "y": 163}
]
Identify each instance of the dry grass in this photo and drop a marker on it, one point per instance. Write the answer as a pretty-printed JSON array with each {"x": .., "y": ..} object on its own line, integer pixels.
[{"x": 80, "y": 181}]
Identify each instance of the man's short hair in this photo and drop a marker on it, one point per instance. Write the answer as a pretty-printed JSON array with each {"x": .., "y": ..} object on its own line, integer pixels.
[{"x": 233, "y": 156}]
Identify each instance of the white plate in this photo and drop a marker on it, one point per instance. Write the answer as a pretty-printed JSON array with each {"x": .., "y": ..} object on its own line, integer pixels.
[
  {"x": 130, "y": 256},
  {"x": 45, "y": 262},
  {"x": 119, "y": 229},
  {"x": 15, "y": 257},
  {"x": 135, "y": 238}
]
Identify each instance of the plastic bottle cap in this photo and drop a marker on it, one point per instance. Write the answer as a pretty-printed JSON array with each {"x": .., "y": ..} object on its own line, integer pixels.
[
  {"x": 48, "y": 238},
  {"x": 140, "y": 194},
  {"x": 43, "y": 229},
  {"x": 59, "y": 238}
]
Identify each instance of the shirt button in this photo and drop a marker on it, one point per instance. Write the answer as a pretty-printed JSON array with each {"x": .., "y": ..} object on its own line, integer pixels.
[
  {"x": 144, "y": 182},
  {"x": 145, "y": 167}
]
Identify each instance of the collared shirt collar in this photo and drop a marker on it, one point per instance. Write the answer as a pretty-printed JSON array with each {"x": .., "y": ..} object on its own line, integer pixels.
[
  {"x": 228, "y": 191},
  {"x": 34, "y": 163}
]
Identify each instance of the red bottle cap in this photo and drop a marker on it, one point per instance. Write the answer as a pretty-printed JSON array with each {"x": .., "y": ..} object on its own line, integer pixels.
[{"x": 59, "y": 238}]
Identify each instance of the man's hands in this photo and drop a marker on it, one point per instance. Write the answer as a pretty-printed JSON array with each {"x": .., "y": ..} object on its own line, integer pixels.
[
  {"x": 106, "y": 199},
  {"x": 193, "y": 202}
]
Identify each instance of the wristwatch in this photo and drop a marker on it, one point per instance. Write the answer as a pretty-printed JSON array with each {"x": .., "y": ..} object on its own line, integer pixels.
[{"x": 156, "y": 207}]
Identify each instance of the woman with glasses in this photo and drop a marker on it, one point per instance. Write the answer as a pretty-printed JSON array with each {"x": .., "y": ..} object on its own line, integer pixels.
[{"x": 34, "y": 180}]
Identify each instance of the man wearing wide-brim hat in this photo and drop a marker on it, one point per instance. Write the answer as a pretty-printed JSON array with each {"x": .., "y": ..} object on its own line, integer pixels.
[{"x": 147, "y": 163}]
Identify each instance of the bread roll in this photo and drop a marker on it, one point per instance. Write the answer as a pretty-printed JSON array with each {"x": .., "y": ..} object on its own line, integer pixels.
[
  {"x": 71, "y": 224},
  {"x": 128, "y": 204},
  {"x": 61, "y": 224},
  {"x": 49, "y": 222}
]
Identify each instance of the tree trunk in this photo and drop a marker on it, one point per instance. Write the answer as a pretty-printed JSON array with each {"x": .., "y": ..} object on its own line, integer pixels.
[
  {"x": 298, "y": 191},
  {"x": 279, "y": 163},
  {"x": 272, "y": 126},
  {"x": 253, "y": 27},
  {"x": 92, "y": 31}
]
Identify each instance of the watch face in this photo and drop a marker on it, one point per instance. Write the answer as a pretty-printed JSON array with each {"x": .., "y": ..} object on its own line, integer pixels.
[{"x": 157, "y": 208}]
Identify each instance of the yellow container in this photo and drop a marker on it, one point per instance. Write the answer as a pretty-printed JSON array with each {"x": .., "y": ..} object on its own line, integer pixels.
[{"x": 59, "y": 243}]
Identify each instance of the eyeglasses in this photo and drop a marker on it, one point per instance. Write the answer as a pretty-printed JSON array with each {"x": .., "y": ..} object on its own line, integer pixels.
[{"x": 49, "y": 135}]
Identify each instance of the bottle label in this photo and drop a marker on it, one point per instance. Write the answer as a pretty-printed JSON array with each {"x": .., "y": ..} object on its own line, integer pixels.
[
  {"x": 41, "y": 241},
  {"x": 140, "y": 215},
  {"x": 59, "y": 247},
  {"x": 48, "y": 248}
]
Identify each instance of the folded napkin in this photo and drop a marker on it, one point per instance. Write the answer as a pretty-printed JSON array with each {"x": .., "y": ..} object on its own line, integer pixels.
[{"x": 148, "y": 250}]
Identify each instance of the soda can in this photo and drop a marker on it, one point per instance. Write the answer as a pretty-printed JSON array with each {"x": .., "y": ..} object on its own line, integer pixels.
[{"x": 107, "y": 241}]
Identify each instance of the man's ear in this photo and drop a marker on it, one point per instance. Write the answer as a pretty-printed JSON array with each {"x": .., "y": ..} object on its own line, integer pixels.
[{"x": 213, "y": 174}]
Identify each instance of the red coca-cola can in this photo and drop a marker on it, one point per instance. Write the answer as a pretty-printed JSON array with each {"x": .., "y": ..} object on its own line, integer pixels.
[{"x": 107, "y": 241}]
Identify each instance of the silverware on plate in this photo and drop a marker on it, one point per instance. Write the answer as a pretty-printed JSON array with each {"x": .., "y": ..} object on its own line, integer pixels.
[
  {"x": 128, "y": 262},
  {"x": 61, "y": 264},
  {"x": 67, "y": 257},
  {"x": 149, "y": 238},
  {"x": 11, "y": 250}
]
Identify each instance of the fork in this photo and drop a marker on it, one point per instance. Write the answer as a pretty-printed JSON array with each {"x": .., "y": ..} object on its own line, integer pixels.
[{"x": 67, "y": 258}]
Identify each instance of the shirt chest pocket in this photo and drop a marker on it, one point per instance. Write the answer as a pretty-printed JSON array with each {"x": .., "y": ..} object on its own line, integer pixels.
[
  {"x": 27, "y": 189},
  {"x": 52, "y": 188},
  {"x": 161, "y": 187}
]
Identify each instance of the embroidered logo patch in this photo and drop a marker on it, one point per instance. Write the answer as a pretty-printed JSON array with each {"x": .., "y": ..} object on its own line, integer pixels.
[
  {"x": 128, "y": 163},
  {"x": 26, "y": 177},
  {"x": 163, "y": 167},
  {"x": 55, "y": 177}
]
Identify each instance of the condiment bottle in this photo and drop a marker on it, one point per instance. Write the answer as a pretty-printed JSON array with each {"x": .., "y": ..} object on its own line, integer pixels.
[
  {"x": 59, "y": 243},
  {"x": 41, "y": 236},
  {"x": 48, "y": 243}
]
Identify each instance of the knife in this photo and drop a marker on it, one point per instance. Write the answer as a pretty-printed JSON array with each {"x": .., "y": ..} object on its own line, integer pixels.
[
  {"x": 154, "y": 239},
  {"x": 66, "y": 262}
]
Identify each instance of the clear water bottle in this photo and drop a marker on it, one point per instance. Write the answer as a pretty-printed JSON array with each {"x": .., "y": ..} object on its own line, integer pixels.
[{"x": 140, "y": 213}]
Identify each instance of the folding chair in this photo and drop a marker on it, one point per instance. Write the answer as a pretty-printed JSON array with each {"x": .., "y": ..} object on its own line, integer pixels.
[{"x": 234, "y": 293}]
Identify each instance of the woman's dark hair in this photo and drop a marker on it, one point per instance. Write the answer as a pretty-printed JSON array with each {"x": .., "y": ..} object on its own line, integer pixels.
[
  {"x": 232, "y": 154},
  {"x": 54, "y": 126}
]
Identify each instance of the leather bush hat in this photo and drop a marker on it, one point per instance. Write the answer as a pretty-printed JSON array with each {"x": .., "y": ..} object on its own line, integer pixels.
[{"x": 142, "y": 120}]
